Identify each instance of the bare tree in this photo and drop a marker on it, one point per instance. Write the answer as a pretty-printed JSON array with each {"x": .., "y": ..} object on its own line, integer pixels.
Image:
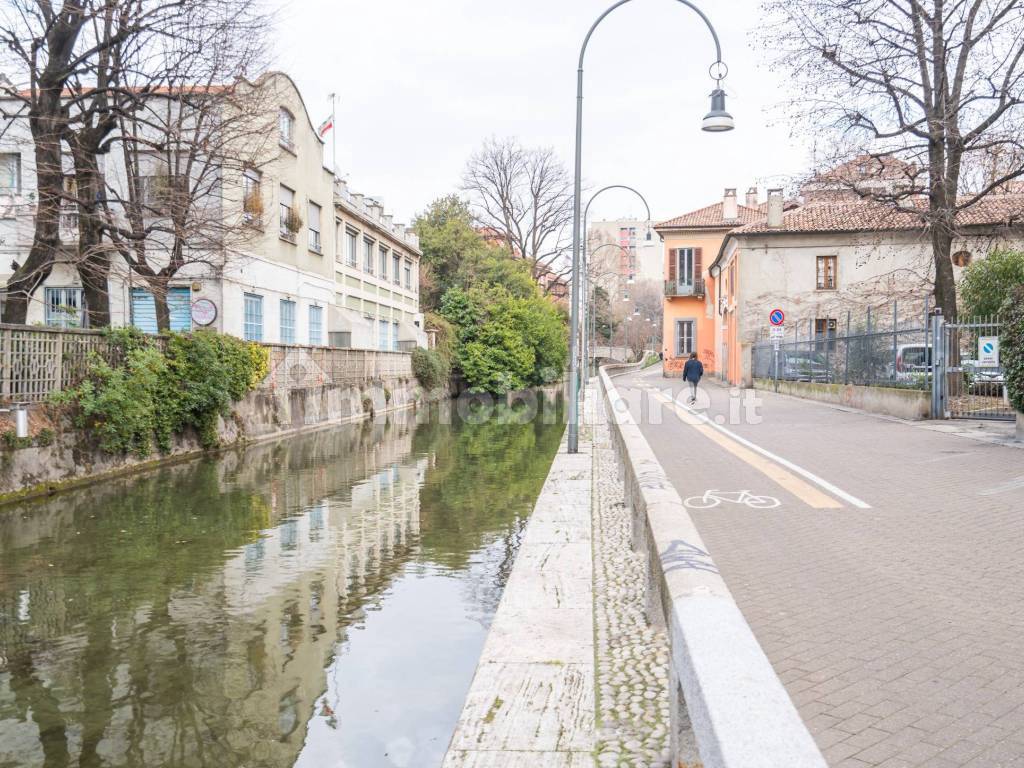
[
  {"x": 191, "y": 147},
  {"x": 523, "y": 198},
  {"x": 928, "y": 93},
  {"x": 112, "y": 60},
  {"x": 41, "y": 43}
]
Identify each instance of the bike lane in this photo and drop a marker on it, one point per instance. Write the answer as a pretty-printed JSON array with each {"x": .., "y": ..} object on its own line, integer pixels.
[{"x": 896, "y": 624}]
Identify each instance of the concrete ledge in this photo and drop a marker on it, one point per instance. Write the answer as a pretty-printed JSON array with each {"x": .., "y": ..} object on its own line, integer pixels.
[
  {"x": 912, "y": 404},
  {"x": 734, "y": 711}
]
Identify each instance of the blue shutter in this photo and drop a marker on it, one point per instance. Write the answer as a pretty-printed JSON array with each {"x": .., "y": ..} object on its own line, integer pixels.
[
  {"x": 179, "y": 304},
  {"x": 143, "y": 310}
]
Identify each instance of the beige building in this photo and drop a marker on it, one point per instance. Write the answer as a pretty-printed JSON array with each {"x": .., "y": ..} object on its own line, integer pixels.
[{"x": 285, "y": 273}]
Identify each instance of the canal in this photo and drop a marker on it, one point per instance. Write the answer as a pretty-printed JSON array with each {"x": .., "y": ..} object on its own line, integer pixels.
[{"x": 317, "y": 601}]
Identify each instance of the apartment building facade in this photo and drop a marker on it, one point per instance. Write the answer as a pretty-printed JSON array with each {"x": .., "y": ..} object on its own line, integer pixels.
[
  {"x": 691, "y": 241},
  {"x": 284, "y": 278},
  {"x": 637, "y": 257}
]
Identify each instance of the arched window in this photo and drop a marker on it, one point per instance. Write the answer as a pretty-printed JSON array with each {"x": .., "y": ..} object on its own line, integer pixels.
[{"x": 286, "y": 128}]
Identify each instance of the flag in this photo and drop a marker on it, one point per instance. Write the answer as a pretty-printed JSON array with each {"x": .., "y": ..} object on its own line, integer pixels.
[{"x": 325, "y": 126}]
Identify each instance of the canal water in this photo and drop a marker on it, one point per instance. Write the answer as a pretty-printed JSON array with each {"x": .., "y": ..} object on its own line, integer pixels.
[{"x": 317, "y": 601}]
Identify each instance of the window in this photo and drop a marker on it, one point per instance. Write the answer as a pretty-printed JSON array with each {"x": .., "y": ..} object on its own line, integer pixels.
[
  {"x": 179, "y": 309},
  {"x": 252, "y": 197},
  {"x": 64, "y": 307},
  {"x": 286, "y": 129},
  {"x": 683, "y": 264},
  {"x": 825, "y": 332},
  {"x": 383, "y": 262},
  {"x": 684, "y": 337},
  {"x": 252, "y": 324},
  {"x": 352, "y": 244},
  {"x": 826, "y": 273},
  {"x": 396, "y": 269},
  {"x": 408, "y": 275},
  {"x": 316, "y": 325},
  {"x": 288, "y": 223},
  {"x": 287, "y": 321},
  {"x": 394, "y": 335},
  {"x": 10, "y": 173},
  {"x": 383, "y": 341},
  {"x": 314, "y": 227},
  {"x": 368, "y": 256}
]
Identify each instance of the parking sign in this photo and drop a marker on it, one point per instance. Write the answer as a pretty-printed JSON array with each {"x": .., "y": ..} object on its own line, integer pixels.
[{"x": 988, "y": 352}]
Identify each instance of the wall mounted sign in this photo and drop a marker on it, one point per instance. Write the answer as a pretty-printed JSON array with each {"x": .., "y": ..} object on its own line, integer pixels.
[{"x": 204, "y": 312}]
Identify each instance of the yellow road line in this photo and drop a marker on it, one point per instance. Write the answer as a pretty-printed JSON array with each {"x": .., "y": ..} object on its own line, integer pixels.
[{"x": 804, "y": 491}]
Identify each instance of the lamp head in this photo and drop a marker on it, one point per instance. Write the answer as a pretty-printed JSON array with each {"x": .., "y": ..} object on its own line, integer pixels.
[
  {"x": 718, "y": 120},
  {"x": 648, "y": 238}
]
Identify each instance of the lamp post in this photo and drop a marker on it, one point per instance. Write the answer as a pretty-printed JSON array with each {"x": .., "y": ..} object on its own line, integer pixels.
[
  {"x": 717, "y": 120},
  {"x": 588, "y": 316},
  {"x": 584, "y": 345}
]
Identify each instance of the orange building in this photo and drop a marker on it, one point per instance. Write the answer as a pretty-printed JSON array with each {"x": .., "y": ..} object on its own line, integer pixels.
[{"x": 692, "y": 241}]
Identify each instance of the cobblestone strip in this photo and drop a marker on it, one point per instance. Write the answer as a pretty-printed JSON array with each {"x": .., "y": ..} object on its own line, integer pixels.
[{"x": 631, "y": 656}]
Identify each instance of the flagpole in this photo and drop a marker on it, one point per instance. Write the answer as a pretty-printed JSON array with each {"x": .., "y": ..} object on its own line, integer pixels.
[{"x": 334, "y": 136}]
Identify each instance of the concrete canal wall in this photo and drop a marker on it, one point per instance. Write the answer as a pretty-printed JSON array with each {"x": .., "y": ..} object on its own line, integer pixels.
[{"x": 307, "y": 388}]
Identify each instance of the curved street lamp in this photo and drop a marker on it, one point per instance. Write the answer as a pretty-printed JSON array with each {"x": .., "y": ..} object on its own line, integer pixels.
[
  {"x": 586, "y": 324},
  {"x": 716, "y": 120},
  {"x": 589, "y": 325}
]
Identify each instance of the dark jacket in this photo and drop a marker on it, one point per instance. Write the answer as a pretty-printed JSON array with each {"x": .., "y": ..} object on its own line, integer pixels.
[{"x": 693, "y": 370}]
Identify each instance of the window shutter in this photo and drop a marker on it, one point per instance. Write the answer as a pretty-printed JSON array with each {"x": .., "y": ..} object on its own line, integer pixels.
[
  {"x": 673, "y": 261},
  {"x": 698, "y": 271}
]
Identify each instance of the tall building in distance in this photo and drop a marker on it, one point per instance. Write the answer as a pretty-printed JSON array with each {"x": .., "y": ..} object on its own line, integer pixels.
[{"x": 638, "y": 258}]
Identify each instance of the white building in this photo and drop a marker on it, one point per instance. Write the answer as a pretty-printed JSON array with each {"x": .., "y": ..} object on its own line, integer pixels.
[
  {"x": 639, "y": 255},
  {"x": 289, "y": 275}
]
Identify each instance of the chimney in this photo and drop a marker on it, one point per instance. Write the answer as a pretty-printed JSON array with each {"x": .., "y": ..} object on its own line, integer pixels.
[
  {"x": 400, "y": 230},
  {"x": 341, "y": 188},
  {"x": 730, "y": 210},
  {"x": 751, "y": 201},
  {"x": 357, "y": 200},
  {"x": 775, "y": 208},
  {"x": 387, "y": 221}
]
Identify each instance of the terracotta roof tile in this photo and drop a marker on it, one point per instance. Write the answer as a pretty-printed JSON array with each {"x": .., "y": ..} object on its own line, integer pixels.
[
  {"x": 867, "y": 216},
  {"x": 710, "y": 217}
]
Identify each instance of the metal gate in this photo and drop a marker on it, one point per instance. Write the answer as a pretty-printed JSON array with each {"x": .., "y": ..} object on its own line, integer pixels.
[{"x": 968, "y": 381}]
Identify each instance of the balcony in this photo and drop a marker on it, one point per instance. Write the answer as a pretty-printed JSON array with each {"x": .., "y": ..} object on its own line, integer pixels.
[{"x": 673, "y": 288}]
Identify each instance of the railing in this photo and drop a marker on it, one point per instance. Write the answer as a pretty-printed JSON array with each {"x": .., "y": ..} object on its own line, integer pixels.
[
  {"x": 297, "y": 367},
  {"x": 728, "y": 707},
  {"x": 35, "y": 362},
  {"x": 675, "y": 288}
]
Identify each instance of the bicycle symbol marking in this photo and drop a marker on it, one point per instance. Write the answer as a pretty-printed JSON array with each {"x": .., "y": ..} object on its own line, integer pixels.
[{"x": 712, "y": 498}]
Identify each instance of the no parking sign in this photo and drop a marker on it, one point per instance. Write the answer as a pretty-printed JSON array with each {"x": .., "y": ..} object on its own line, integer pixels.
[
  {"x": 777, "y": 317},
  {"x": 988, "y": 352}
]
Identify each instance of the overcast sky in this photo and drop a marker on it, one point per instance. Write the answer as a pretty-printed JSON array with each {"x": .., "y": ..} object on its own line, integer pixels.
[{"x": 421, "y": 84}]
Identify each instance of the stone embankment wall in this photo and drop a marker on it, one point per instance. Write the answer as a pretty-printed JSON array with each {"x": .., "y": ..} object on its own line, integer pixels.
[{"x": 303, "y": 391}]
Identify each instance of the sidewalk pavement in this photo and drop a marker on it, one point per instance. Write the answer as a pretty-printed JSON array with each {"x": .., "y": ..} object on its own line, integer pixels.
[{"x": 897, "y": 626}]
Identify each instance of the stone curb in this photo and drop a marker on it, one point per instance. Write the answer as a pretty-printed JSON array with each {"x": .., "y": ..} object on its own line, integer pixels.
[{"x": 736, "y": 709}]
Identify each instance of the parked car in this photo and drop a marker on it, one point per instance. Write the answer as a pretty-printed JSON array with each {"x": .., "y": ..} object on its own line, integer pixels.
[
  {"x": 988, "y": 382},
  {"x": 802, "y": 366},
  {"x": 913, "y": 362}
]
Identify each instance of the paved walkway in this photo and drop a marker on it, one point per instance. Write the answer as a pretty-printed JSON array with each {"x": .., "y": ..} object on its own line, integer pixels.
[
  {"x": 887, "y": 586},
  {"x": 531, "y": 702}
]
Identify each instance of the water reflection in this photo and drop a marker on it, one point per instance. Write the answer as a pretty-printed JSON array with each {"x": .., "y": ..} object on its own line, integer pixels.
[{"x": 320, "y": 600}]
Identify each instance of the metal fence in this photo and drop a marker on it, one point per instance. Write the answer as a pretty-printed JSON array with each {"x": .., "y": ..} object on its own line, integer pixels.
[
  {"x": 38, "y": 361},
  {"x": 877, "y": 346}
]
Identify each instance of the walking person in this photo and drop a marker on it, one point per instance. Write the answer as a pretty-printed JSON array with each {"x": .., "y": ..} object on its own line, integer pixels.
[{"x": 692, "y": 372}]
